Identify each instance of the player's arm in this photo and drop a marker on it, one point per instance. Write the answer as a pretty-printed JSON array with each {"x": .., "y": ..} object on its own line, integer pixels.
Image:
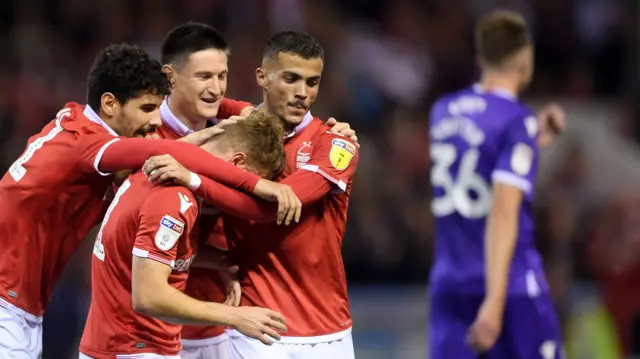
[
  {"x": 512, "y": 178},
  {"x": 153, "y": 296},
  {"x": 165, "y": 217},
  {"x": 229, "y": 108},
  {"x": 330, "y": 168}
]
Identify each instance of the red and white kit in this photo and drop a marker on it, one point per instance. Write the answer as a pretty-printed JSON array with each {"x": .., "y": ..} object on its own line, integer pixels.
[
  {"x": 298, "y": 269},
  {"x": 154, "y": 222},
  {"x": 53, "y": 194}
]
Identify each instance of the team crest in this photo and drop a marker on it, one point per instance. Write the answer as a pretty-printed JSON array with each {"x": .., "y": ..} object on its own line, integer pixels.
[
  {"x": 304, "y": 154},
  {"x": 341, "y": 153},
  {"x": 169, "y": 232}
]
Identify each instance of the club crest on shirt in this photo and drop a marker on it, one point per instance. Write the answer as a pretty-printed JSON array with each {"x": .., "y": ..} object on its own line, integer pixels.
[
  {"x": 341, "y": 153},
  {"x": 304, "y": 154},
  {"x": 168, "y": 233}
]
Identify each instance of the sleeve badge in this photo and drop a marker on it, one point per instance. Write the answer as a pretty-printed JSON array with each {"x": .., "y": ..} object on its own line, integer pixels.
[
  {"x": 341, "y": 153},
  {"x": 168, "y": 233}
]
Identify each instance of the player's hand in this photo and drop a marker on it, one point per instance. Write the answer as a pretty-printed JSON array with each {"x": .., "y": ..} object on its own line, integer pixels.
[
  {"x": 289, "y": 206},
  {"x": 234, "y": 290},
  {"x": 485, "y": 330},
  {"x": 260, "y": 323},
  {"x": 343, "y": 129},
  {"x": 199, "y": 138},
  {"x": 552, "y": 121},
  {"x": 152, "y": 136},
  {"x": 164, "y": 168}
]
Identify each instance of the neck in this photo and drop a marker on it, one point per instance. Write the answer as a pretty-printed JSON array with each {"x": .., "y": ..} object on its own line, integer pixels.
[
  {"x": 194, "y": 124},
  {"x": 504, "y": 81},
  {"x": 267, "y": 109}
]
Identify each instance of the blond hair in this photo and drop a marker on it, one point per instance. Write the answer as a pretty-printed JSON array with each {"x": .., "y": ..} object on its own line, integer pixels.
[{"x": 260, "y": 137}]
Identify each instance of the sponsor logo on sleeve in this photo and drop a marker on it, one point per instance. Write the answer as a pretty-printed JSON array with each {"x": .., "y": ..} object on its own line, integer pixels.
[
  {"x": 341, "y": 153},
  {"x": 168, "y": 233},
  {"x": 521, "y": 159}
]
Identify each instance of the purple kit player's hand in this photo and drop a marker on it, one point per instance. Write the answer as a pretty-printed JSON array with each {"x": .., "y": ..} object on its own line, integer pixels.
[
  {"x": 485, "y": 330},
  {"x": 552, "y": 122},
  {"x": 343, "y": 129}
]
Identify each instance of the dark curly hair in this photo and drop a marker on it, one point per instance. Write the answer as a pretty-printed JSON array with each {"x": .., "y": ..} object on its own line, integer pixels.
[
  {"x": 294, "y": 42},
  {"x": 126, "y": 71},
  {"x": 188, "y": 38}
]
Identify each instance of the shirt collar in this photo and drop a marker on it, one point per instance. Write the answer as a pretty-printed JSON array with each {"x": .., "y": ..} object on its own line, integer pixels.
[
  {"x": 90, "y": 114},
  {"x": 498, "y": 91},
  {"x": 170, "y": 120},
  {"x": 306, "y": 120}
]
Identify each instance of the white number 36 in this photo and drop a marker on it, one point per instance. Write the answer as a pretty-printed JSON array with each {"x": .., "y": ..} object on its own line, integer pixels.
[{"x": 457, "y": 191}]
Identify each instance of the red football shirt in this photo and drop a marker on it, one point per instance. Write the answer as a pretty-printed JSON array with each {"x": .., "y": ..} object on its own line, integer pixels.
[
  {"x": 298, "y": 269},
  {"x": 154, "y": 222},
  {"x": 207, "y": 284},
  {"x": 51, "y": 196},
  {"x": 203, "y": 284}
]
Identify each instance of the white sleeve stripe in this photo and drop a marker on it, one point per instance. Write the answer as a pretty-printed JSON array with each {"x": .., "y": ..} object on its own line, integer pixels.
[
  {"x": 96, "y": 162},
  {"x": 314, "y": 168},
  {"x": 145, "y": 254},
  {"x": 511, "y": 179}
]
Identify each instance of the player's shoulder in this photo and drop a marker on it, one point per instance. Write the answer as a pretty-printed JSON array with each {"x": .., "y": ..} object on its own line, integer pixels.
[
  {"x": 174, "y": 198},
  {"x": 324, "y": 133},
  {"x": 82, "y": 120}
]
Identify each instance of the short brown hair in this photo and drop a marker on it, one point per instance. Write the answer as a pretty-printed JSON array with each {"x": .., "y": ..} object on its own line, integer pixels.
[
  {"x": 261, "y": 137},
  {"x": 500, "y": 35}
]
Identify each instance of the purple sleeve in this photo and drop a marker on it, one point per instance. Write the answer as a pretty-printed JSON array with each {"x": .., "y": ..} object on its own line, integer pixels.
[{"x": 517, "y": 162}]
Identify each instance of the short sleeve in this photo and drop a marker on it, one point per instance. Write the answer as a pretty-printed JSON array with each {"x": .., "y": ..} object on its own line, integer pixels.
[
  {"x": 334, "y": 157},
  {"x": 517, "y": 162},
  {"x": 166, "y": 218},
  {"x": 230, "y": 107},
  {"x": 91, "y": 148}
]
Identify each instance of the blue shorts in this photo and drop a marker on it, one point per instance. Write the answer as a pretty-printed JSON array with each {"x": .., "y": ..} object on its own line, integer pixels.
[{"x": 530, "y": 329}]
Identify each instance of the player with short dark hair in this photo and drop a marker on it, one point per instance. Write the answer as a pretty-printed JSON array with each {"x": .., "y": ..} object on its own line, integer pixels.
[
  {"x": 293, "y": 269},
  {"x": 56, "y": 191},
  {"x": 144, "y": 250},
  {"x": 488, "y": 290}
]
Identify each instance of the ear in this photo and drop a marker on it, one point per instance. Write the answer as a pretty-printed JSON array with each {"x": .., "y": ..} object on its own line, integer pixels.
[
  {"x": 108, "y": 104},
  {"x": 170, "y": 72},
  {"x": 262, "y": 77},
  {"x": 239, "y": 159}
]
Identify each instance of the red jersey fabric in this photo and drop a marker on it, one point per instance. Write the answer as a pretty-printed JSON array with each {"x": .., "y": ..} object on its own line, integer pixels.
[
  {"x": 298, "y": 269},
  {"x": 154, "y": 222},
  {"x": 207, "y": 284},
  {"x": 51, "y": 197},
  {"x": 203, "y": 284}
]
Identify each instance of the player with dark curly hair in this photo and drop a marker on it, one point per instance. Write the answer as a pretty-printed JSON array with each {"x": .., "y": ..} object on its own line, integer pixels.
[{"x": 57, "y": 190}]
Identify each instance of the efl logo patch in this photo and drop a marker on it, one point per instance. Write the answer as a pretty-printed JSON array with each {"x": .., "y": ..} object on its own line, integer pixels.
[
  {"x": 341, "y": 153},
  {"x": 168, "y": 233}
]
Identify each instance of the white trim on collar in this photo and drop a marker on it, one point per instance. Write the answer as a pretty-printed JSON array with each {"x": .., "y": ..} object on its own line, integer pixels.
[
  {"x": 90, "y": 114},
  {"x": 169, "y": 119}
]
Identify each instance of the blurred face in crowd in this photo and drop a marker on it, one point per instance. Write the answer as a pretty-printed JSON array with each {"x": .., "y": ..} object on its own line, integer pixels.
[
  {"x": 200, "y": 83},
  {"x": 290, "y": 85},
  {"x": 135, "y": 118}
]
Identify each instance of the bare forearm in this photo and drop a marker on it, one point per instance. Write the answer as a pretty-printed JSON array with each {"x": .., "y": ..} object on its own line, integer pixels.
[
  {"x": 173, "y": 306},
  {"x": 500, "y": 243}
]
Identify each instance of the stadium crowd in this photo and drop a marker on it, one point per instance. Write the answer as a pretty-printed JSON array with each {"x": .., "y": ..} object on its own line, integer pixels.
[{"x": 386, "y": 62}]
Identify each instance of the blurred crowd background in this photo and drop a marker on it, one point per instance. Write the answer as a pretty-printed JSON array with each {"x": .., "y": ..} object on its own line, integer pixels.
[{"x": 387, "y": 60}]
